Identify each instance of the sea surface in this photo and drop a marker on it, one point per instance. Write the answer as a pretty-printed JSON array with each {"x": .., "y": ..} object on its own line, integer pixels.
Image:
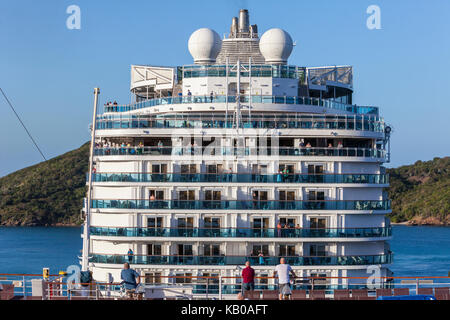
[{"x": 418, "y": 251}]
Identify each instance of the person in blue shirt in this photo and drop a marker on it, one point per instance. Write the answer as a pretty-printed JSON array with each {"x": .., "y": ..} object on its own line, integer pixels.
[
  {"x": 130, "y": 255},
  {"x": 130, "y": 278}
]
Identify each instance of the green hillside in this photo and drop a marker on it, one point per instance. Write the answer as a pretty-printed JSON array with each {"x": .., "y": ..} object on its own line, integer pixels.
[
  {"x": 51, "y": 193},
  {"x": 420, "y": 192}
]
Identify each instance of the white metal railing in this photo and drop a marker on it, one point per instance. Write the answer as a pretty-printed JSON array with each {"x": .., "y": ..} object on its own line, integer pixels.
[{"x": 222, "y": 287}]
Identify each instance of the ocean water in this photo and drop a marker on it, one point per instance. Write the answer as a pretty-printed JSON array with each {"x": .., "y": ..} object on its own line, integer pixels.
[
  {"x": 26, "y": 250},
  {"x": 418, "y": 251},
  {"x": 421, "y": 251}
]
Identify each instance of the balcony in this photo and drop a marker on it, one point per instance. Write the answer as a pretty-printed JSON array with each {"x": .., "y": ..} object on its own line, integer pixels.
[
  {"x": 363, "y": 205},
  {"x": 270, "y": 71},
  {"x": 242, "y": 232},
  {"x": 295, "y": 100},
  {"x": 241, "y": 178},
  {"x": 243, "y": 152},
  {"x": 240, "y": 260},
  {"x": 328, "y": 122}
]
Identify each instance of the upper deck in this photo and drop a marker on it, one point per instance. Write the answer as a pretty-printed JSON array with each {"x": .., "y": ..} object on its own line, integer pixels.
[
  {"x": 241, "y": 73},
  {"x": 259, "y": 103}
]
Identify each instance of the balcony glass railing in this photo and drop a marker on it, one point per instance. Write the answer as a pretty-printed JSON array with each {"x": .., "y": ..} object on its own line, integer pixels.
[
  {"x": 242, "y": 205},
  {"x": 241, "y": 178},
  {"x": 240, "y": 260},
  {"x": 229, "y": 151},
  {"x": 242, "y": 232},
  {"x": 207, "y": 121},
  {"x": 331, "y": 104},
  {"x": 272, "y": 71}
]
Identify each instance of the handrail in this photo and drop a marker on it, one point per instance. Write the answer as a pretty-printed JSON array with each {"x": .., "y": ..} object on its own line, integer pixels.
[
  {"x": 244, "y": 228},
  {"x": 385, "y": 258},
  {"x": 235, "y": 151},
  {"x": 238, "y": 277},
  {"x": 240, "y": 177},
  {"x": 239, "y": 256},
  {"x": 218, "y": 285},
  {"x": 280, "y": 233},
  {"x": 242, "y": 204},
  {"x": 217, "y": 122},
  {"x": 249, "y": 173},
  {"x": 297, "y": 100}
]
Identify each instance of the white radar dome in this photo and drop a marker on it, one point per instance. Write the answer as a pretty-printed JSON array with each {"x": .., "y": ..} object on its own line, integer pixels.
[
  {"x": 204, "y": 46},
  {"x": 276, "y": 46}
]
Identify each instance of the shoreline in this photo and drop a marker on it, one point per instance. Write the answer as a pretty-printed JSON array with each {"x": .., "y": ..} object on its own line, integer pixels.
[{"x": 419, "y": 224}]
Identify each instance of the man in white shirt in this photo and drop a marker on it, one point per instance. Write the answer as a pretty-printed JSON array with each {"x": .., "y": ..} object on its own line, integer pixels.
[{"x": 283, "y": 270}]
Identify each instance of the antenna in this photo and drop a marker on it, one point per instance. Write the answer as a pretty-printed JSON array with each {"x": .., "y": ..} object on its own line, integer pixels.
[{"x": 23, "y": 125}]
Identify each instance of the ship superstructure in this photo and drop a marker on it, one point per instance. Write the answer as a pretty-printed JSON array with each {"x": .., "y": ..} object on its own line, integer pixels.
[{"x": 239, "y": 157}]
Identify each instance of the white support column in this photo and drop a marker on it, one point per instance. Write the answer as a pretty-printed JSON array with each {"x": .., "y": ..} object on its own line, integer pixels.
[
  {"x": 250, "y": 89},
  {"x": 226, "y": 94},
  {"x": 86, "y": 238}
]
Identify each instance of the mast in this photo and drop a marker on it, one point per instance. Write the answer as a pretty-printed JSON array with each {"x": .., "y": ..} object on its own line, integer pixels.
[
  {"x": 226, "y": 101},
  {"x": 250, "y": 90},
  {"x": 238, "y": 95},
  {"x": 85, "y": 253}
]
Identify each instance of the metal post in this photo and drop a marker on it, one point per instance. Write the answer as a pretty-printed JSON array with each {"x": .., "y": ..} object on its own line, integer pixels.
[
  {"x": 226, "y": 94},
  {"x": 250, "y": 90},
  {"x": 85, "y": 254},
  {"x": 417, "y": 286},
  {"x": 220, "y": 287},
  {"x": 238, "y": 95}
]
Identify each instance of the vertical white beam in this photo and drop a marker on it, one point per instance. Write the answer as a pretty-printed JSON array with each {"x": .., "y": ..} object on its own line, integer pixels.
[
  {"x": 86, "y": 239},
  {"x": 226, "y": 93},
  {"x": 250, "y": 90},
  {"x": 238, "y": 95}
]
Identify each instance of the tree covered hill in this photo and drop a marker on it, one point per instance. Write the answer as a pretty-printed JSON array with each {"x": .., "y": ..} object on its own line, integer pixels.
[
  {"x": 420, "y": 192},
  {"x": 51, "y": 193}
]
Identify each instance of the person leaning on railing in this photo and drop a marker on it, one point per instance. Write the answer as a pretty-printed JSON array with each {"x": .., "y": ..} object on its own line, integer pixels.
[
  {"x": 129, "y": 277},
  {"x": 248, "y": 278},
  {"x": 283, "y": 270}
]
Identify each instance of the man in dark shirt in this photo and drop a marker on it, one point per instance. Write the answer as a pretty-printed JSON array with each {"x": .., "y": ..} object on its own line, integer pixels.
[{"x": 248, "y": 278}]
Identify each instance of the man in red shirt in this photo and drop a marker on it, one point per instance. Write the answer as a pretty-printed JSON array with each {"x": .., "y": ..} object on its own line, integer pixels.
[{"x": 248, "y": 278}]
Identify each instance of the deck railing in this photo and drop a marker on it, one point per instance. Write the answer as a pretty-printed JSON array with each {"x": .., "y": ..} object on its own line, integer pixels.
[
  {"x": 214, "y": 121},
  {"x": 364, "y": 205},
  {"x": 205, "y": 99},
  {"x": 240, "y": 178},
  {"x": 242, "y": 232},
  {"x": 216, "y": 286},
  {"x": 242, "y": 152},
  {"x": 357, "y": 260}
]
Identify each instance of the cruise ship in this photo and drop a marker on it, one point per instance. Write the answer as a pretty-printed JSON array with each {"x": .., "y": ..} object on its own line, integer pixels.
[{"x": 239, "y": 156}]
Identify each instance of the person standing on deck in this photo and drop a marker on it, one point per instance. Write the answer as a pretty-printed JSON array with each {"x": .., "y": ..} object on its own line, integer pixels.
[
  {"x": 248, "y": 278},
  {"x": 283, "y": 270},
  {"x": 130, "y": 255}
]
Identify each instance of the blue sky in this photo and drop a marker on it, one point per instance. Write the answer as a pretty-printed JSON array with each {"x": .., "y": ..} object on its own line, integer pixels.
[{"x": 49, "y": 71}]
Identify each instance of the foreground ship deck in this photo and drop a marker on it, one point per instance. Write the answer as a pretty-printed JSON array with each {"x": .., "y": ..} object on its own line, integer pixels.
[
  {"x": 239, "y": 157},
  {"x": 55, "y": 287}
]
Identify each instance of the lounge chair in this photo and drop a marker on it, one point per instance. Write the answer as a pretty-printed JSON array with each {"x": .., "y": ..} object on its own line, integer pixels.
[
  {"x": 298, "y": 295},
  {"x": 342, "y": 294}
]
